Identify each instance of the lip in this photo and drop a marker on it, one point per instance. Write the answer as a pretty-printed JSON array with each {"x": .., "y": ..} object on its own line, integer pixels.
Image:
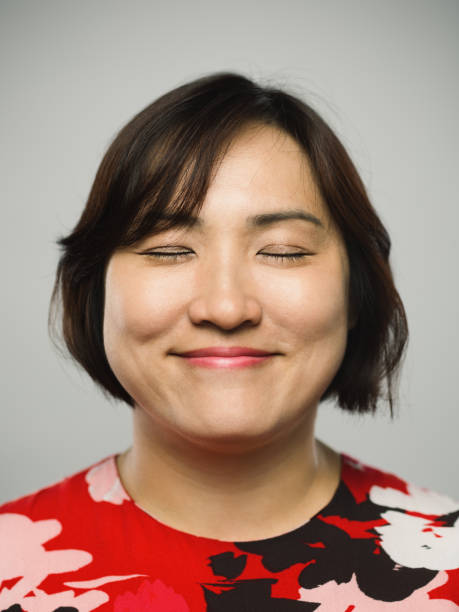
[
  {"x": 226, "y": 356},
  {"x": 243, "y": 361},
  {"x": 226, "y": 351}
]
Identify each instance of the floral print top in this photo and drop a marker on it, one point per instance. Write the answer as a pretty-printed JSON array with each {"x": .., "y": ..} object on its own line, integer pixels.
[{"x": 380, "y": 545}]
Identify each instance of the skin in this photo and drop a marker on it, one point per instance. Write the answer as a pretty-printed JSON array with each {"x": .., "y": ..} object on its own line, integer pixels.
[{"x": 230, "y": 454}]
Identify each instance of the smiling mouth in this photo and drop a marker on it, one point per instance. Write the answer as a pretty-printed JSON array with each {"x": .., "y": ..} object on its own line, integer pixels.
[{"x": 214, "y": 361}]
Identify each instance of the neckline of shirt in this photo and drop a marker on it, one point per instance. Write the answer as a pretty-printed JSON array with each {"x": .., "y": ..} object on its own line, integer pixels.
[{"x": 337, "y": 494}]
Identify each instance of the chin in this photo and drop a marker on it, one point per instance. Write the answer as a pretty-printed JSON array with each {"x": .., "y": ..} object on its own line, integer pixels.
[{"x": 226, "y": 439}]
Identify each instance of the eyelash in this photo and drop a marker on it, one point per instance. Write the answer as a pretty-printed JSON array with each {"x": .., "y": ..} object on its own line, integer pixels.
[{"x": 175, "y": 256}]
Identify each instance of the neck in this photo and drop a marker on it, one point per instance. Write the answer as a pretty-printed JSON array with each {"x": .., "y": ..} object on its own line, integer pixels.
[{"x": 233, "y": 496}]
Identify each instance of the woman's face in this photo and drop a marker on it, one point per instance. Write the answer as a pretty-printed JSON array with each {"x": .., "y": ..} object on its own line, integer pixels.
[{"x": 229, "y": 289}]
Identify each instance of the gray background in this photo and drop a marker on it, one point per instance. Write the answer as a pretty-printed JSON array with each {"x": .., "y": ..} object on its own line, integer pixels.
[{"x": 384, "y": 74}]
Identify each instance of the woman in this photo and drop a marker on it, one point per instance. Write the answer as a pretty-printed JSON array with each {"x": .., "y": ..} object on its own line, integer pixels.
[{"x": 229, "y": 273}]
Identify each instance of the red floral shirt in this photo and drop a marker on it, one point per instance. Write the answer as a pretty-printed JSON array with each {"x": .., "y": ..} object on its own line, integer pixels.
[{"x": 380, "y": 544}]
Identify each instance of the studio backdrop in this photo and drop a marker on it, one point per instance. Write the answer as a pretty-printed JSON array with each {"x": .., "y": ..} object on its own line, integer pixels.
[{"x": 383, "y": 74}]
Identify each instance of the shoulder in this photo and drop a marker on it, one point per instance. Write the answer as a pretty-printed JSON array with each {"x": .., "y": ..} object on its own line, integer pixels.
[
  {"x": 96, "y": 482},
  {"x": 416, "y": 526},
  {"x": 387, "y": 489}
]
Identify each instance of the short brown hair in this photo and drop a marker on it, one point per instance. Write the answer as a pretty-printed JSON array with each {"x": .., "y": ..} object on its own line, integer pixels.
[{"x": 165, "y": 157}]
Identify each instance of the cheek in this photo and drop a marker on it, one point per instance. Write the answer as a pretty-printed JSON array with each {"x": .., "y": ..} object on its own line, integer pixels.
[
  {"x": 137, "y": 309},
  {"x": 314, "y": 304}
]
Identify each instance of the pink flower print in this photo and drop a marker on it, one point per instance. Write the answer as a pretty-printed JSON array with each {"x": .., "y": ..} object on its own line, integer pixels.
[
  {"x": 104, "y": 483},
  {"x": 43, "y": 602},
  {"x": 23, "y": 555},
  {"x": 334, "y": 597},
  {"x": 151, "y": 597}
]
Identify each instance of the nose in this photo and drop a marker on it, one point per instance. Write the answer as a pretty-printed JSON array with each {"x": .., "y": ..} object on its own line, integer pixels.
[{"x": 225, "y": 296}]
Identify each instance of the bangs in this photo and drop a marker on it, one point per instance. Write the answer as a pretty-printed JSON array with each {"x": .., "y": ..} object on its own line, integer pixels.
[
  {"x": 171, "y": 186},
  {"x": 164, "y": 180}
]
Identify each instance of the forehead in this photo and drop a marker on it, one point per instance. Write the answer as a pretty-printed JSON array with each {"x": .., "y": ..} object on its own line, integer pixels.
[
  {"x": 255, "y": 151},
  {"x": 264, "y": 170}
]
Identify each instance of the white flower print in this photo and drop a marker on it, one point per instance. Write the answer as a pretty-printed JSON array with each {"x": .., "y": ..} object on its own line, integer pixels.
[{"x": 417, "y": 541}]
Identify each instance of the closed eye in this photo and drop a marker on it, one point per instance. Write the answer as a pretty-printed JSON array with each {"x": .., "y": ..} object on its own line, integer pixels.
[
  {"x": 178, "y": 255},
  {"x": 166, "y": 255},
  {"x": 282, "y": 256}
]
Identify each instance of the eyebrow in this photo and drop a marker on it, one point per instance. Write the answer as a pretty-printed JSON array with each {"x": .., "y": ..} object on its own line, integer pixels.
[{"x": 254, "y": 221}]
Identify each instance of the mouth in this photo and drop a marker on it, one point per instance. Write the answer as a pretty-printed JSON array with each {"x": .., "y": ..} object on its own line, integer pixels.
[
  {"x": 226, "y": 357},
  {"x": 226, "y": 351},
  {"x": 242, "y": 361}
]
